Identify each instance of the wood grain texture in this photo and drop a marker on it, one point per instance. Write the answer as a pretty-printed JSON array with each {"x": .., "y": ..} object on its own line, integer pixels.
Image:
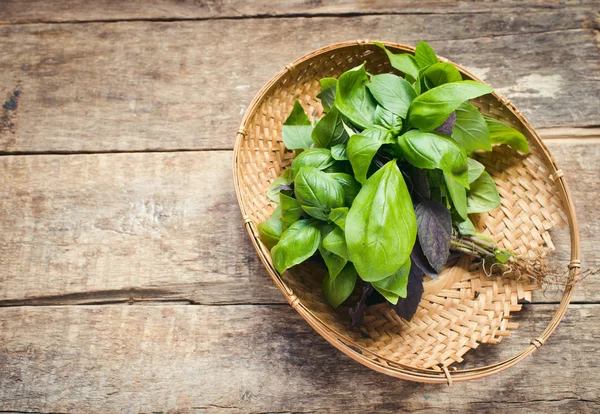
[
  {"x": 12, "y": 11},
  {"x": 242, "y": 359},
  {"x": 152, "y": 224},
  {"x": 135, "y": 86},
  {"x": 166, "y": 226}
]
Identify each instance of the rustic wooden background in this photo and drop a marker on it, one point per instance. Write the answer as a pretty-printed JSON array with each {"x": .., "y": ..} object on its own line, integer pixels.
[{"x": 127, "y": 280}]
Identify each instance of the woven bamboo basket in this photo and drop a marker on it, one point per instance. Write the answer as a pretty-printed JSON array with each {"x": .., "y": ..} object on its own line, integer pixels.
[{"x": 465, "y": 307}]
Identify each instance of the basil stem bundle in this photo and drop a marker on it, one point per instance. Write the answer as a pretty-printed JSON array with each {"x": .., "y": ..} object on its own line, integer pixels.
[{"x": 383, "y": 183}]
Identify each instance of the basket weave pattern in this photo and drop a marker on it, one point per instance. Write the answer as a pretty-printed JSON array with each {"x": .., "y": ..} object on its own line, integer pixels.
[{"x": 462, "y": 309}]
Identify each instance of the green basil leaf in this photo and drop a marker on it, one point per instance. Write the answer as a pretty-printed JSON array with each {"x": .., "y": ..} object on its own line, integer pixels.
[
  {"x": 326, "y": 228},
  {"x": 319, "y": 158},
  {"x": 466, "y": 228},
  {"x": 502, "y": 255},
  {"x": 392, "y": 92},
  {"x": 329, "y": 131},
  {"x": 420, "y": 81},
  {"x": 350, "y": 185},
  {"x": 335, "y": 242},
  {"x": 276, "y": 213},
  {"x": 270, "y": 231},
  {"x": 437, "y": 186},
  {"x": 290, "y": 210},
  {"x": 381, "y": 227},
  {"x": 353, "y": 99},
  {"x": 317, "y": 192},
  {"x": 339, "y": 167},
  {"x": 338, "y": 216},
  {"x": 429, "y": 110},
  {"x": 417, "y": 87},
  {"x": 483, "y": 195},
  {"x": 458, "y": 195},
  {"x": 424, "y": 55},
  {"x": 403, "y": 62},
  {"x": 428, "y": 150},
  {"x": 388, "y": 120},
  {"x": 333, "y": 262},
  {"x": 475, "y": 169},
  {"x": 350, "y": 130},
  {"x": 336, "y": 291},
  {"x": 299, "y": 242},
  {"x": 338, "y": 152},
  {"x": 362, "y": 148},
  {"x": 394, "y": 287},
  {"x": 285, "y": 179},
  {"x": 440, "y": 73},
  {"x": 327, "y": 94},
  {"x": 470, "y": 129},
  {"x": 297, "y": 129},
  {"x": 503, "y": 134}
]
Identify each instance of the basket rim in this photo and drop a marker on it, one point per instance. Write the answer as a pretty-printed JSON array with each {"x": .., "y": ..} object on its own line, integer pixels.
[{"x": 345, "y": 344}]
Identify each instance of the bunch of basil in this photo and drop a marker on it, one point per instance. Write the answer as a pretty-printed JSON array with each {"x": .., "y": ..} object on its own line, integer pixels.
[{"x": 381, "y": 180}]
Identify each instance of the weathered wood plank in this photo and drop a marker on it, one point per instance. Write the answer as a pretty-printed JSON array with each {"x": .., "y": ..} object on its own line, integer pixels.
[
  {"x": 166, "y": 226},
  {"x": 98, "y": 224},
  {"x": 264, "y": 359},
  {"x": 569, "y": 133},
  {"x": 573, "y": 159},
  {"x": 134, "y": 86},
  {"x": 12, "y": 11}
]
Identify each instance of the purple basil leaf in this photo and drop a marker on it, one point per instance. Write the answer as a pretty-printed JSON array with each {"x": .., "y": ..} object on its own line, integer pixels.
[
  {"x": 453, "y": 256},
  {"x": 434, "y": 230},
  {"x": 407, "y": 307},
  {"x": 375, "y": 298},
  {"x": 357, "y": 312},
  {"x": 283, "y": 188},
  {"x": 418, "y": 258},
  {"x": 420, "y": 184},
  {"x": 380, "y": 159},
  {"x": 448, "y": 125}
]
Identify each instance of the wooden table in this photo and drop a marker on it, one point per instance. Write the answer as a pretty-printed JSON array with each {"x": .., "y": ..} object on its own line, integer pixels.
[{"x": 127, "y": 280}]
